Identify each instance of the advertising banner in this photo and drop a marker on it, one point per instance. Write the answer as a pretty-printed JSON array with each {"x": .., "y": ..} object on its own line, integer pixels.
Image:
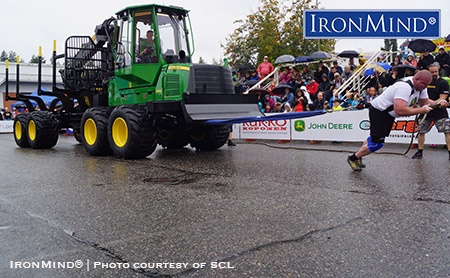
[
  {"x": 354, "y": 126},
  {"x": 380, "y": 24},
  {"x": 349, "y": 126},
  {"x": 6, "y": 126},
  {"x": 279, "y": 130}
]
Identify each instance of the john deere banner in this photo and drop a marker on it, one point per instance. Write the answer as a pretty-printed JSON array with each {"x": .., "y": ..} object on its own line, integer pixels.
[{"x": 382, "y": 24}]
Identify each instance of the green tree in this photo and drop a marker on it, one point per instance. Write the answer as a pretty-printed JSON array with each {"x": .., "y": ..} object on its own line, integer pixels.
[
  {"x": 201, "y": 60},
  {"x": 3, "y": 56},
  {"x": 35, "y": 60},
  {"x": 12, "y": 56},
  {"x": 276, "y": 28}
]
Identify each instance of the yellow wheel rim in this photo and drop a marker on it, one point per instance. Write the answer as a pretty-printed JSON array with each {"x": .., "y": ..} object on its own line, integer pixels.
[
  {"x": 32, "y": 130},
  {"x": 18, "y": 130},
  {"x": 90, "y": 132},
  {"x": 120, "y": 132}
]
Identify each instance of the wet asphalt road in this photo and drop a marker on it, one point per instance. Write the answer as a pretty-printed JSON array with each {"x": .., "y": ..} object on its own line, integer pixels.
[{"x": 261, "y": 211}]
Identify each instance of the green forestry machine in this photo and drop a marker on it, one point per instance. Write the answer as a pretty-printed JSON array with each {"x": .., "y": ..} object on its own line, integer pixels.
[{"x": 132, "y": 86}]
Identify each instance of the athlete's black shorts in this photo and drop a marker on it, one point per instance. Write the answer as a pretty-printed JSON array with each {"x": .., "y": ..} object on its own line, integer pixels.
[{"x": 380, "y": 124}]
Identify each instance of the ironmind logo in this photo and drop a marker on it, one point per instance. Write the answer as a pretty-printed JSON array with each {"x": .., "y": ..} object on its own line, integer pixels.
[{"x": 374, "y": 24}]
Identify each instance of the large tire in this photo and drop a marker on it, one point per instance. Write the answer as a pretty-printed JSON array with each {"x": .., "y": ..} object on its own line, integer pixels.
[
  {"x": 131, "y": 133},
  {"x": 20, "y": 130},
  {"x": 42, "y": 130},
  {"x": 172, "y": 140},
  {"x": 77, "y": 135},
  {"x": 94, "y": 131},
  {"x": 208, "y": 138}
]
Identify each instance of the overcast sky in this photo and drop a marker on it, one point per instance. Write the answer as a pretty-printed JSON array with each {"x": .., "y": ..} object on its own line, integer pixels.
[{"x": 28, "y": 24}]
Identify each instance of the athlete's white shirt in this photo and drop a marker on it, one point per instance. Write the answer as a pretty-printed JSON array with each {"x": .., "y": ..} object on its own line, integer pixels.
[{"x": 400, "y": 90}]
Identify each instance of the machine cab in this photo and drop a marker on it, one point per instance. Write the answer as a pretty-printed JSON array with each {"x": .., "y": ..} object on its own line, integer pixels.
[{"x": 152, "y": 36}]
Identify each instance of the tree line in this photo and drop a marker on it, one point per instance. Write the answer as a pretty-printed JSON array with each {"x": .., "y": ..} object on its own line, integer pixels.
[{"x": 12, "y": 56}]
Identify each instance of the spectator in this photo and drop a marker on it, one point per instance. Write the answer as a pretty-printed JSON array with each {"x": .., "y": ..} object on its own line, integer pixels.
[
  {"x": 351, "y": 64},
  {"x": 305, "y": 92},
  {"x": 295, "y": 75},
  {"x": 7, "y": 116},
  {"x": 254, "y": 75},
  {"x": 361, "y": 61},
  {"x": 425, "y": 60},
  {"x": 298, "y": 83},
  {"x": 286, "y": 97},
  {"x": 306, "y": 72},
  {"x": 335, "y": 96},
  {"x": 397, "y": 61},
  {"x": 337, "y": 82},
  {"x": 411, "y": 60},
  {"x": 285, "y": 76},
  {"x": 300, "y": 103},
  {"x": 378, "y": 81},
  {"x": 332, "y": 73},
  {"x": 269, "y": 103},
  {"x": 318, "y": 104},
  {"x": 321, "y": 70},
  {"x": 346, "y": 74},
  {"x": 1, "y": 114},
  {"x": 278, "y": 108},
  {"x": 337, "y": 105},
  {"x": 287, "y": 108},
  {"x": 239, "y": 86},
  {"x": 443, "y": 58},
  {"x": 372, "y": 93},
  {"x": 312, "y": 87},
  {"x": 325, "y": 87},
  {"x": 392, "y": 77},
  {"x": 265, "y": 68},
  {"x": 353, "y": 100},
  {"x": 338, "y": 68}
]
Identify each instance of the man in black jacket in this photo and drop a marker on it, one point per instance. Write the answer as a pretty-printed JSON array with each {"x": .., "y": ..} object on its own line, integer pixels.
[
  {"x": 443, "y": 58},
  {"x": 425, "y": 60}
]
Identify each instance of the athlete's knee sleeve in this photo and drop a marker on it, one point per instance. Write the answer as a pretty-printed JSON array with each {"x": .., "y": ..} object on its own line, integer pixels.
[{"x": 373, "y": 147}]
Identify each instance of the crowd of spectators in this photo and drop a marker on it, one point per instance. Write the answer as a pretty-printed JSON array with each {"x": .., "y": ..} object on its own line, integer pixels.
[
  {"x": 6, "y": 115},
  {"x": 315, "y": 86}
]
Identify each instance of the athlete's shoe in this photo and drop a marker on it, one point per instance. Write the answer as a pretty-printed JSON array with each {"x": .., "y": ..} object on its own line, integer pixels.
[
  {"x": 355, "y": 166},
  {"x": 360, "y": 163},
  {"x": 417, "y": 155}
]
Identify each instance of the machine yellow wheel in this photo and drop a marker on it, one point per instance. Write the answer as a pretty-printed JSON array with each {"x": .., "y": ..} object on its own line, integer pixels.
[
  {"x": 93, "y": 133},
  {"x": 131, "y": 132},
  {"x": 20, "y": 130},
  {"x": 32, "y": 130},
  {"x": 42, "y": 130},
  {"x": 120, "y": 132},
  {"x": 90, "y": 131}
]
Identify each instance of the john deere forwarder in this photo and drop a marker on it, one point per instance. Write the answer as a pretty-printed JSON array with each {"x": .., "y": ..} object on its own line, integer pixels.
[{"x": 133, "y": 85}]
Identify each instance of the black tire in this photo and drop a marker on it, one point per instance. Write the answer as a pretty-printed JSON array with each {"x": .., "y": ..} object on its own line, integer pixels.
[
  {"x": 94, "y": 131},
  {"x": 208, "y": 138},
  {"x": 131, "y": 133},
  {"x": 20, "y": 130},
  {"x": 42, "y": 130},
  {"x": 172, "y": 140},
  {"x": 77, "y": 135}
]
